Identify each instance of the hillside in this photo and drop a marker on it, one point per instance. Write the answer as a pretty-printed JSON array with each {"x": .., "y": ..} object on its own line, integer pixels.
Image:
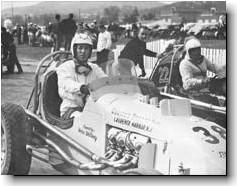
[
  {"x": 202, "y": 6},
  {"x": 65, "y": 7}
]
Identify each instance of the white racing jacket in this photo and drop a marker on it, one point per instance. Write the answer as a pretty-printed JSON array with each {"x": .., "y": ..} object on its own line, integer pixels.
[
  {"x": 69, "y": 84},
  {"x": 192, "y": 75}
]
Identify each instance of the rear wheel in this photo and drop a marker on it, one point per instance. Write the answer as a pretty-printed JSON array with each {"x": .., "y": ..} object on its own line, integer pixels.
[{"x": 15, "y": 134}]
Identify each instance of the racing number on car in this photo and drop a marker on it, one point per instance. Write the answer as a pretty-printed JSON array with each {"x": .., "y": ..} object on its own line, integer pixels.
[
  {"x": 164, "y": 73},
  {"x": 220, "y": 131},
  {"x": 212, "y": 139}
]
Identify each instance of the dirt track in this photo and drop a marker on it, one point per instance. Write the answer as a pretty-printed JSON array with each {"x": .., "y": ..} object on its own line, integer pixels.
[{"x": 16, "y": 88}]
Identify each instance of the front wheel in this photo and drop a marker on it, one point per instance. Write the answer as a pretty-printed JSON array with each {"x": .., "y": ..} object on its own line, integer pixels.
[{"x": 15, "y": 134}]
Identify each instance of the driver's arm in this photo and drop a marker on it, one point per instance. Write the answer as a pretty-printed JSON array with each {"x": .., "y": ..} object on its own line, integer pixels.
[
  {"x": 66, "y": 79},
  {"x": 218, "y": 69},
  {"x": 99, "y": 73}
]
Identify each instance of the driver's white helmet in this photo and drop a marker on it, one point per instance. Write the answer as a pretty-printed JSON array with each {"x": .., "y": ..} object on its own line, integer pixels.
[
  {"x": 192, "y": 43},
  {"x": 81, "y": 38}
]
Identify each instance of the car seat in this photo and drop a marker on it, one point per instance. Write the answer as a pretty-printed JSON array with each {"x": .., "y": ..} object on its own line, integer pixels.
[{"x": 52, "y": 101}]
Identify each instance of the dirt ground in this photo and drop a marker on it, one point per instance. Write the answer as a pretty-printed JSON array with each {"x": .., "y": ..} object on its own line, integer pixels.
[{"x": 16, "y": 88}]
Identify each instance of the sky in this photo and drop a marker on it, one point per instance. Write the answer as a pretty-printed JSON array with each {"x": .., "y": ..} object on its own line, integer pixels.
[{"x": 8, "y": 4}]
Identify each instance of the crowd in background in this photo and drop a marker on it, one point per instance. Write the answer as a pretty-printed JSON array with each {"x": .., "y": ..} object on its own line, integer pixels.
[{"x": 60, "y": 32}]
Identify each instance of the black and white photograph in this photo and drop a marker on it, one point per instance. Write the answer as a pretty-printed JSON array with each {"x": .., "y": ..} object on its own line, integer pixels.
[{"x": 118, "y": 88}]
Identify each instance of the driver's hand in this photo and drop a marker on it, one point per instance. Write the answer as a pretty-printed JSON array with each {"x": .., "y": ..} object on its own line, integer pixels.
[
  {"x": 85, "y": 90},
  {"x": 206, "y": 81}
]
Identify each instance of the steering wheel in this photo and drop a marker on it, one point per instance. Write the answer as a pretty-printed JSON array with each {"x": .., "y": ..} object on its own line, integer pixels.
[{"x": 218, "y": 86}]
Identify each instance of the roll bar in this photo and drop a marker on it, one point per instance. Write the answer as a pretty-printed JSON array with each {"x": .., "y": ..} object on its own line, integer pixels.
[{"x": 39, "y": 67}]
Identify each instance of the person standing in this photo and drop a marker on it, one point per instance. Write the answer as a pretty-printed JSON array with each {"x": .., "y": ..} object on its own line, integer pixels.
[
  {"x": 68, "y": 28},
  {"x": 55, "y": 33},
  {"x": 18, "y": 33},
  {"x": 103, "y": 46},
  {"x": 136, "y": 48},
  {"x": 9, "y": 51}
]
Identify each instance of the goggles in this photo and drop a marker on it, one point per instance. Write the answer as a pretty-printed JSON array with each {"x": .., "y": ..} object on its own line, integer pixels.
[{"x": 83, "y": 69}]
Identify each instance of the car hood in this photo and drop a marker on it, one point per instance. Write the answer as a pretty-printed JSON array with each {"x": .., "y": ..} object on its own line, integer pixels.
[{"x": 199, "y": 144}]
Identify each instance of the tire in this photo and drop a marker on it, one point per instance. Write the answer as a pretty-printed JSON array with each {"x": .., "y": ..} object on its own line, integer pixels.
[
  {"x": 15, "y": 134},
  {"x": 140, "y": 172}
]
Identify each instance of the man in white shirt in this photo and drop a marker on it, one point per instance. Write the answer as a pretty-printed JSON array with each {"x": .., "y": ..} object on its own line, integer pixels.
[
  {"x": 103, "y": 46},
  {"x": 75, "y": 74}
]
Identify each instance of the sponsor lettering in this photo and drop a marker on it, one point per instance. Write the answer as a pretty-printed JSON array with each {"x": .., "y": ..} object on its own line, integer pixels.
[
  {"x": 136, "y": 125},
  {"x": 88, "y": 131}
]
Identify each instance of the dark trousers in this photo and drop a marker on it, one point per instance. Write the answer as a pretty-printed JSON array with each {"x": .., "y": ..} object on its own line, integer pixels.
[
  {"x": 67, "y": 41},
  {"x": 102, "y": 56},
  {"x": 18, "y": 65},
  {"x": 57, "y": 39},
  {"x": 141, "y": 66},
  {"x": 12, "y": 58}
]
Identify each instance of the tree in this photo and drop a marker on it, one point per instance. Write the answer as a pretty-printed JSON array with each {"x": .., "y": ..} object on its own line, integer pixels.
[
  {"x": 149, "y": 16},
  {"x": 103, "y": 21},
  {"x": 131, "y": 17},
  {"x": 18, "y": 19},
  {"x": 112, "y": 13}
]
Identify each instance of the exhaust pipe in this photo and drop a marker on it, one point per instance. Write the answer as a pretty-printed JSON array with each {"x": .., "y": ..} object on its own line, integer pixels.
[
  {"x": 110, "y": 153},
  {"x": 123, "y": 160},
  {"x": 116, "y": 156},
  {"x": 130, "y": 164},
  {"x": 79, "y": 165}
]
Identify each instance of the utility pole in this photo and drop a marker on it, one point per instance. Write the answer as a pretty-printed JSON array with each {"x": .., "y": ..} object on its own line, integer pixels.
[
  {"x": 12, "y": 13},
  {"x": 79, "y": 17}
]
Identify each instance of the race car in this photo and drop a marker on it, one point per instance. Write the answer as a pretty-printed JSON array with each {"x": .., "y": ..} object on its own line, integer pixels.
[
  {"x": 122, "y": 130},
  {"x": 166, "y": 77}
]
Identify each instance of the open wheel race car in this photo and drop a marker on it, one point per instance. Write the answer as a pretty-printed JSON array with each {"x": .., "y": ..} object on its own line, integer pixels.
[
  {"x": 166, "y": 77},
  {"x": 122, "y": 130}
]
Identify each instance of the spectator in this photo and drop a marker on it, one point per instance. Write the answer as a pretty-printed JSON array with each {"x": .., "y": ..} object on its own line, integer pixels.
[
  {"x": 103, "y": 46},
  {"x": 80, "y": 28},
  {"x": 68, "y": 28},
  {"x": 135, "y": 30},
  {"x": 128, "y": 30},
  {"x": 18, "y": 33},
  {"x": 55, "y": 33},
  {"x": 31, "y": 34},
  {"x": 74, "y": 75},
  {"x": 9, "y": 50},
  {"x": 136, "y": 48},
  {"x": 25, "y": 35}
]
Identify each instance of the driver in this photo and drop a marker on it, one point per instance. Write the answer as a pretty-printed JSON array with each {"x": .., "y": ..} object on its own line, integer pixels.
[
  {"x": 75, "y": 74},
  {"x": 193, "y": 68}
]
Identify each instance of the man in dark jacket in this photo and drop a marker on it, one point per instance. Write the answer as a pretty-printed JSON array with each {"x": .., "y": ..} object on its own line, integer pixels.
[
  {"x": 136, "y": 48},
  {"x": 69, "y": 28},
  {"x": 9, "y": 51},
  {"x": 55, "y": 32}
]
